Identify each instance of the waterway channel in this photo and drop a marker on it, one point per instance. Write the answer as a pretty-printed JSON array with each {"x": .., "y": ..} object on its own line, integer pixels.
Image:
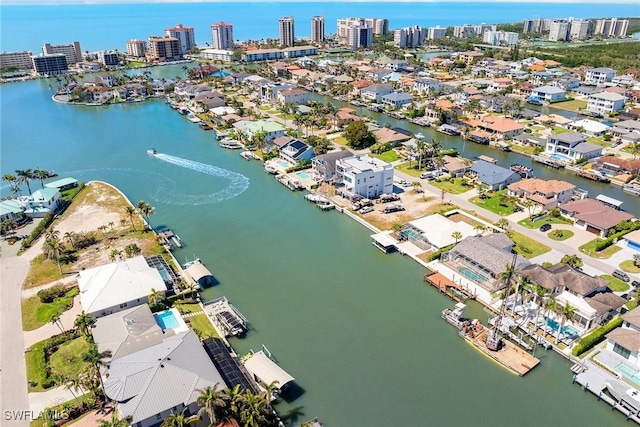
[{"x": 359, "y": 330}]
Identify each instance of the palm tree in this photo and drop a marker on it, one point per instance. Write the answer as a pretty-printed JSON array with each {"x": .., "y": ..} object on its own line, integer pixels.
[
  {"x": 479, "y": 228},
  {"x": 541, "y": 295},
  {"x": 145, "y": 210},
  {"x": 456, "y": 235},
  {"x": 111, "y": 225},
  {"x": 130, "y": 211},
  {"x": 254, "y": 410},
  {"x": 53, "y": 247},
  {"x": 70, "y": 237},
  {"x": 234, "y": 397},
  {"x": 71, "y": 384},
  {"x": 84, "y": 322},
  {"x": 52, "y": 233},
  {"x": 55, "y": 320},
  {"x": 103, "y": 228},
  {"x": 155, "y": 297},
  {"x": 95, "y": 361},
  {"x": 567, "y": 313},
  {"x": 23, "y": 178},
  {"x": 178, "y": 420},
  {"x": 550, "y": 305},
  {"x": 13, "y": 182},
  {"x": 503, "y": 223},
  {"x": 634, "y": 147},
  {"x": 114, "y": 421},
  {"x": 41, "y": 175},
  {"x": 210, "y": 399},
  {"x": 115, "y": 254}
]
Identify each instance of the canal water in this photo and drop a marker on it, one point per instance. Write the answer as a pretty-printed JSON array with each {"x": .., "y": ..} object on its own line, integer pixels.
[{"x": 359, "y": 330}]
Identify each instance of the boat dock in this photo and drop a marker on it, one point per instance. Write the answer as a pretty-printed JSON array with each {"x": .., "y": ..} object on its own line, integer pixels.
[
  {"x": 590, "y": 175},
  {"x": 169, "y": 239},
  {"x": 548, "y": 162},
  {"x": 453, "y": 290},
  {"x": 291, "y": 183},
  {"x": 226, "y": 317}
]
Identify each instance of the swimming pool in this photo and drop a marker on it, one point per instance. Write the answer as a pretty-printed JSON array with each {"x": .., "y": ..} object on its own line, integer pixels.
[
  {"x": 167, "y": 320},
  {"x": 303, "y": 175},
  {"x": 567, "y": 330},
  {"x": 472, "y": 275},
  {"x": 560, "y": 157},
  {"x": 284, "y": 164},
  {"x": 629, "y": 372}
]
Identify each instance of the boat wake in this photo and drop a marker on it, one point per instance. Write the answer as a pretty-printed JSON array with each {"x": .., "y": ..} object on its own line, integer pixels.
[{"x": 238, "y": 182}]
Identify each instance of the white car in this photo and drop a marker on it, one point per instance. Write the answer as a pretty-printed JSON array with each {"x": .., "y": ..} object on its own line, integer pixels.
[{"x": 365, "y": 210}]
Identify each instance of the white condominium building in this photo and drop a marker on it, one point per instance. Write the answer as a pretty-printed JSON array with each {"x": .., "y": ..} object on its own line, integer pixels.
[
  {"x": 185, "y": 35},
  {"x": 19, "y": 60},
  {"x": 434, "y": 33},
  {"x": 611, "y": 27},
  {"x": 72, "y": 51},
  {"x": 287, "y": 36},
  {"x": 221, "y": 36},
  {"x": 136, "y": 48},
  {"x": 317, "y": 29},
  {"x": 409, "y": 37}
]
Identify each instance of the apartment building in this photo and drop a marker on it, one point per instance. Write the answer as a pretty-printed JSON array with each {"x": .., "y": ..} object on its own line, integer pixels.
[
  {"x": 221, "y": 36},
  {"x": 286, "y": 31},
  {"x": 50, "y": 64},
  {"x": 163, "y": 49},
  {"x": 497, "y": 38},
  {"x": 317, "y": 29},
  {"x": 108, "y": 58},
  {"x": 611, "y": 27},
  {"x": 533, "y": 25},
  {"x": 579, "y": 29},
  {"x": 19, "y": 60},
  {"x": 359, "y": 36},
  {"x": 434, "y": 33},
  {"x": 464, "y": 31},
  {"x": 185, "y": 35},
  {"x": 379, "y": 26},
  {"x": 409, "y": 37},
  {"x": 136, "y": 48},
  {"x": 72, "y": 52},
  {"x": 559, "y": 31}
]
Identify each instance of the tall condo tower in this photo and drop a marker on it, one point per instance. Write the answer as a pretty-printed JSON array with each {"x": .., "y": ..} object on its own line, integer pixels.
[
  {"x": 185, "y": 35},
  {"x": 317, "y": 29},
  {"x": 287, "y": 37},
  {"x": 221, "y": 36}
]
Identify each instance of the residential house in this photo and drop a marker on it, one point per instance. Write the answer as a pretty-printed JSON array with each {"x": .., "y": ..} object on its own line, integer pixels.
[
  {"x": 206, "y": 101},
  {"x": 397, "y": 64},
  {"x": 376, "y": 92},
  {"x": 470, "y": 57},
  {"x": 501, "y": 126},
  {"x": 62, "y": 184},
  {"x": 435, "y": 232},
  {"x": 566, "y": 82},
  {"x": 397, "y": 99},
  {"x": 598, "y": 76},
  {"x": 589, "y": 127},
  {"x": 604, "y": 103},
  {"x": 119, "y": 285},
  {"x": 426, "y": 85},
  {"x": 269, "y": 91},
  {"x": 358, "y": 86},
  {"x": 40, "y": 202},
  {"x": 385, "y": 134},
  {"x": 541, "y": 78},
  {"x": 323, "y": 167},
  {"x": 549, "y": 93},
  {"x": 150, "y": 384},
  {"x": 99, "y": 94},
  {"x": 593, "y": 216},
  {"x": 346, "y": 115},
  {"x": 364, "y": 176},
  {"x": 571, "y": 146},
  {"x": 11, "y": 209},
  {"x": 493, "y": 176},
  {"x": 272, "y": 129},
  {"x": 546, "y": 193},
  {"x": 296, "y": 152},
  {"x": 455, "y": 165},
  {"x": 612, "y": 165},
  {"x": 293, "y": 96},
  {"x": 483, "y": 258},
  {"x": 501, "y": 84},
  {"x": 625, "y": 340},
  {"x": 466, "y": 94},
  {"x": 376, "y": 74},
  {"x": 633, "y": 240}
]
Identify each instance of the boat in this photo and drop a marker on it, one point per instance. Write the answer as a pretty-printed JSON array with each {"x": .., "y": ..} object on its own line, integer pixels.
[
  {"x": 523, "y": 171},
  {"x": 419, "y": 136},
  {"x": 316, "y": 198},
  {"x": 193, "y": 118},
  {"x": 270, "y": 169},
  {"x": 248, "y": 155},
  {"x": 152, "y": 151},
  {"x": 631, "y": 189},
  {"x": 455, "y": 316},
  {"x": 595, "y": 176},
  {"x": 448, "y": 130},
  {"x": 231, "y": 144},
  {"x": 204, "y": 126},
  {"x": 183, "y": 111},
  {"x": 627, "y": 396}
]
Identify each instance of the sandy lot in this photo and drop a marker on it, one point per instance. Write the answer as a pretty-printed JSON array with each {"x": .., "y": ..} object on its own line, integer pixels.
[{"x": 90, "y": 216}]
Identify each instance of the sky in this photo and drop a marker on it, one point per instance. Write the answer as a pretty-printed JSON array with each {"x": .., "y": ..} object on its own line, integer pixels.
[{"x": 60, "y": 2}]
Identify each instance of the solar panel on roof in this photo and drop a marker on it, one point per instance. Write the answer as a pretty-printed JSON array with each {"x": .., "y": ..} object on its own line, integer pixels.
[{"x": 227, "y": 365}]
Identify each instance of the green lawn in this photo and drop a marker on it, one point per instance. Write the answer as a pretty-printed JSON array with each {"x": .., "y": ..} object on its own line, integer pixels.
[
  {"x": 548, "y": 220},
  {"x": 589, "y": 248},
  {"x": 560, "y": 234},
  {"x": 404, "y": 167},
  {"x": 572, "y": 105},
  {"x": 36, "y": 365},
  {"x": 36, "y": 313},
  {"x": 496, "y": 203},
  {"x": 526, "y": 246},
  {"x": 341, "y": 140},
  {"x": 67, "y": 360},
  {"x": 629, "y": 266},
  {"x": 42, "y": 271},
  {"x": 265, "y": 107},
  {"x": 556, "y": 130},
  {"x": 202, "y": 326},
  {"x": 528, "y": 149},
  {"x": 616, "y": 285},
  {"x": 388, "y": 156},
  {"x": 188, "y": 308},
  {"x": 599, "y": 140},
  {"x": 454, "y": 186}
]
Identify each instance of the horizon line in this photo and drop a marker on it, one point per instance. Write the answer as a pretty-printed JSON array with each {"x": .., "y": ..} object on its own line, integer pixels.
[{"x": 112, "y": 2}]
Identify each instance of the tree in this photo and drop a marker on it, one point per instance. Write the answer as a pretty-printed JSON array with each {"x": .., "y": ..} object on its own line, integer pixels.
[
  {"x": 41, "y": 174},
  {"x": 145, "y": 210},
  {"x": 70, "y": 237},
  {"x": 456, "y": 235},
  {"x": 254, "y": 410},
  {"x": 480, "y": 228},
  {"x": 503, "y": 223},
  {"x": 13, "y": 182},
  {"x": 23, "y": 178},
  {"x": 358, "y": 136},
  {"x": 95, "y": 360},
  {"x": 550, "y": 305},
  {"x": 52, "y": 249},
  {"x": 567, "y": 313},
  {"x": 115, "y": 254},
  {"x": 155, "y": 297},
  {"x": 55, "y": 320},
  {"x": 211, "y": 399},
  {"x": 73, "y": 384},
  {"x": 130, "y": 211},
  {"x": 114, "y": 421},
  {"x": 84, "y": 322},
  {"x": 234, "y": 398},
  {"x": 103, "y": 228},
  {"x": 417, "y": 187},
  {"x": 178, "y": 420},
  {"x": 573, "y": 261},
  {"x": 132, "y": 250}
]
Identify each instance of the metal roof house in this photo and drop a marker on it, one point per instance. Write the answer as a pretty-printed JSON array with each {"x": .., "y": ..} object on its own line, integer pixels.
[
  {"x": 150, "y": 384},
  {"x": 323, "y": 167},
  {"x": 62, "y": 184},
  {"x": 493, "y": 176}
]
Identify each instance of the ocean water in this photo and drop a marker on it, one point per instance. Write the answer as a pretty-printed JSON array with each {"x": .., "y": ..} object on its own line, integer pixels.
[{"x": 110, "y": 26}]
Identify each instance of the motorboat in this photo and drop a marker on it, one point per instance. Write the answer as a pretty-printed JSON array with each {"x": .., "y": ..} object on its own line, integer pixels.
[
  {"x": 152, "y": 151},
  {"x": 270, "y": 169},
  {"x": 249, "y": 155},
  {"x": 231, "y": 144}
]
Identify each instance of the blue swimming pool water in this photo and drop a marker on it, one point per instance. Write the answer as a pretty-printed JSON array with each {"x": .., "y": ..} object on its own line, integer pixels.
[
  {"x": 303, "y": 175},
  {"x": 283, "y": 164},
  {"x": 629, "y": 372},
  {"x": 566, "y": 329},
  {"x": 167, "y": 320},
  {"x": 559, "y": 157},
  {"x": 470, "y": 274}
]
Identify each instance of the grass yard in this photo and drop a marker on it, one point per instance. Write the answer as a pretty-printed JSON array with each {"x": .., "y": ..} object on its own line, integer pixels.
[
  {"x": 36, "y": 313},
  {"x": 548, "y": 220},
  {"x": 496, "y": 203},
  {"x": 599, "y": 140},
  {"x": 439, "y": 207},
  {"x": 454, "y": 186},
  {"x": 526, "y": 246},
  {"x": 589, "y": 248},
  {"x": 629, "y": 266},
  {"x": 556, "y": 130},
  {"x": 202, "y": 326},
  {"x": 573, "y": 105},
  {"x": 188, "y": 307},
  {"x": 530, "y": 150},
  {"x": 388, "y": 156},
  {"x": 42, "y": 271},
  {"x": 341, "y": 140},
  {"x": 36, "y": 366},
  {"x": 409, "y": 170},
  {"x": 560, "y": 235},
  {"x": 67, "y": 360},
  {"x": 616, "y": 285},
  {"x": 265, "y": 107}
]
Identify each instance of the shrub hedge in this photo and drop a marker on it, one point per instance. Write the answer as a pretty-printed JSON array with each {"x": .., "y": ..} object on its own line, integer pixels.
[{"x": 595, "y": 337}]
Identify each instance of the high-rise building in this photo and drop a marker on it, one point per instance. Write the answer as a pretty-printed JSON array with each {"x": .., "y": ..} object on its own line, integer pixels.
[
  {"x": 380, "y": 26},
  {"x": 533, "y": 25},
  {"x": 185, "y": 35},
  {"x": 613, "y": 27},
  {"x": 317, "y": 29},
  {"x": 579, "y": 29},
  {"x": 136, "y": 48},
  {"x": 559, "y": 31},
  {"x": 221, "y": 36},
  {"x": 410, "y": 37},
  {"x": 434, "y": 33},
  {"x": 19, "y": 60},
  {"x": 359, "y": 36},
  {"x": 497, "y": 38},
  {"x": 480, "y": 29},
  {"x": 108, "y": 58},
  {"x": 164, "y": 48},
  {"x": 287, "y": 36},
  {"x": 50, "y": 63},
  {"x": 464, "y": 31},
  {"x": 72, "y": 52}
]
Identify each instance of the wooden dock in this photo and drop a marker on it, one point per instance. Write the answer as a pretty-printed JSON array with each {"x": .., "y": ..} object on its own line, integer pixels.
[{"x": 452, "y": 289}]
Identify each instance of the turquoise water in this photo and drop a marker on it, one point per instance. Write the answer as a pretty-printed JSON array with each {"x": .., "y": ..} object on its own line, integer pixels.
[
  {"x": 358, "y": 329},
  {"x": 629, "y": 372},
  {"x": 472, "y": 275},
  {"x": 567, "y": 330},
  {"x": 559, "y": 157},
  {"x": 303, "y": 175},
  {"x": 283, "y": 164},
  {"x": 167, "y": 320}
]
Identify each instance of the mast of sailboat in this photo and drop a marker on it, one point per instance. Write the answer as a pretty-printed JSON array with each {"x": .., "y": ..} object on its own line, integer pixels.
[{"x": 494, "y": 339}]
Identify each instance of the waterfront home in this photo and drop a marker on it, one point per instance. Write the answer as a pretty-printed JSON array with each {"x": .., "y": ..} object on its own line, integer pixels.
[
  {"x": 625, "y": 126},
  {"x": 107, "y": 80},
  {"x": 500, "y": 84},
  {"x": 293, "y": 96},
  {"x": 483, "y": 258},
  {"x": 127, "y": 331},
  {"x": 571, "y": 146},
  {"x": 323, "y": 167},
  {"x": 547, "y": 194},
  {"x": 426, "y": 85},
  {"x": 100, "y": 94},
  {"x": 119, "y": 285},
  {"x": 166, "y": 378},
  {"x": 188, "y": 91},
  {"x": 376, "y": 74},
  {"x": 469, "y": 57},
  {"x": 501, "y": 126},
  {"x": 593, "y": 216},
  {"x": 624, "y": 80},
  {"x": 397, "y": 64},
  {"x": 524, "y": 88},
  {"x": 616, "y": 166},
  {"x": 493, "y": 176},
  {"x": 11, "y": 209},
  {"x": 466, "y": 94},
  {"x": 272, "y": 129},
  {"x": 566, "y": 82},
  {"x": 40, "y": 202},
  {"x": 435, "y": 232},
  {"x": 549, "y": 93},
  {"x": 364, "y": 176},
  {"x": 633, "y": 240},
  {"x": 591, "y": 297},
  {"x": 625, "y": 340},
  {"x": 385, "y": 134},
  {"x": 269, "y": 91},
  {"x": 397, "y": 99},
  {"x": 375, "y": 92},
  {"x": 589, "y": 127},
  {"x": 345, "y": 115},
  {"x": 598, "y": 76},
  {"x": 205, "y": 101},
  {"x": 605, "y": 103},
  {"x": 62, "y": 184},
  {"x": 541, "y": 78},
  {"x": 455, "y": 165},
  {"x": 296, "y": 152}
]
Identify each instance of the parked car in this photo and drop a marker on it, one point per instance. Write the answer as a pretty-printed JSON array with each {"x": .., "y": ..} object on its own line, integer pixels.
[
  {"x": 545, "y": 227},
  {"x": 404, "y": 183},
  {"x": 635, "y": 284},
  {"x": 365, "y": 210},
  {"x": 429, "y": 175},
  {"x": 393, "y": 208},
  {"x": 620, "y": 275}
]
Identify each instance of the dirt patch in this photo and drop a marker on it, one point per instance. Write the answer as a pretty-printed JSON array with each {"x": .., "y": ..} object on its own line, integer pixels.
[{"x": 462, "y": 218}]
